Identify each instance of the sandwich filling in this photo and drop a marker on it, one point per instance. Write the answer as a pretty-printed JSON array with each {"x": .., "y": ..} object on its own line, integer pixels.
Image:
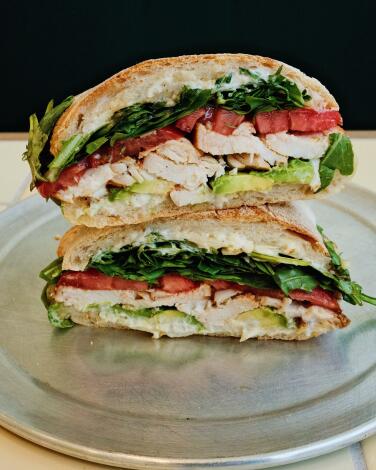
[
  {"x": 178, "y": 288},
  {"x": 250, "y": 131}
]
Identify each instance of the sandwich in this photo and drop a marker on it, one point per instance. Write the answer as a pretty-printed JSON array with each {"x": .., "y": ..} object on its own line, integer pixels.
[
  {"x": 173, "y": 136},
  {"x": 254, "y": 272}
]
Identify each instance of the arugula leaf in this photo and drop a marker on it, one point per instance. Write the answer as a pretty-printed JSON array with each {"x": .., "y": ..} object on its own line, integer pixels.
[
  {"x": 351, "y": 291},
  {"x": 141, "y": 118},
  {"x": 38, "y": 137},
  {"x": 332, "y": 250},
  {"x": 151, "y": 260},
  {"x": 339, "y": 156},
  {"x": 260, "y": 95},
  {"x": 223, "y": 80},
  {"x": 368, "y": 299},
  {"x": 279, "y": 259},
  {"x": 253, "y": 75},
  {"x": 289, "y": 278}
]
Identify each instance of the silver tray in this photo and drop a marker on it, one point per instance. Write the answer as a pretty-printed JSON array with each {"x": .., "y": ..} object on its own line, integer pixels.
[{"x": 123, "y": 399}]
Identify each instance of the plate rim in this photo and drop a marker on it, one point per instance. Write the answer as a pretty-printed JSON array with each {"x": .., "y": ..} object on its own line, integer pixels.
[{"x": 255, "y": 461}]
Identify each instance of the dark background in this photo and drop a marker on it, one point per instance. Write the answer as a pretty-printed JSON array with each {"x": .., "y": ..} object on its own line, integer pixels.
[{"x": 56, "y": 48}]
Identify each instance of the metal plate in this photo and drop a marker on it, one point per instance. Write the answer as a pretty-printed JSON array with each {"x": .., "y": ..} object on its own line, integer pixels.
[{"x": 124, "y": 399}]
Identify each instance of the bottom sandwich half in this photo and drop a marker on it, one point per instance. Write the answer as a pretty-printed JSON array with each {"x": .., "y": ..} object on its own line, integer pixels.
[{"x": 265, "y": 272}]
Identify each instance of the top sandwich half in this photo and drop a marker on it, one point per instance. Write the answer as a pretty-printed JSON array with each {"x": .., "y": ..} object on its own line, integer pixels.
[{"x": 173, "y": 136}]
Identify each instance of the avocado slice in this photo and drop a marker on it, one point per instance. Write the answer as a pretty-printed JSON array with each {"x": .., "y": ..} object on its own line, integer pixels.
[
  {"x": 266, "y": 318},
  {"x": 228, "y": 184},
  {"x": 297, "y": 171},
  {"x": 155, "y": 186}
]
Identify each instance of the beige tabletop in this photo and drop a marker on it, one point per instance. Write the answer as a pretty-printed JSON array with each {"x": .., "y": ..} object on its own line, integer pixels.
[{"x": 19, "y": 454}]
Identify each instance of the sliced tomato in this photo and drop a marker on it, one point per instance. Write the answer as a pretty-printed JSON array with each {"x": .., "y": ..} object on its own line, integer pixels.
[
  {"x": 174, "y": 283},
  {"x": 225, "y": 122},
  {"x": 219, "y": 284},
  {"x": 134, "y": 145},
  {"x": 68, "y": 177},
  {"x": 100, "y": 157},
  {"x": 267, "y": 292},
  {"x": 309, "y": 120},
  {"x": 93, "y": 279},
  {"x": 72, "y": 175},
  {"x": 187, "y": 123},
  {"x": 47, "y": 189},
  {"x": 272, "y": 122},
  {"x": 318, "y": 296},
  {"x": 301, "y": 119}
]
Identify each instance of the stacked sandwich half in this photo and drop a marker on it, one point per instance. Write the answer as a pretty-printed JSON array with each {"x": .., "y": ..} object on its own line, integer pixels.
[{"x": 178, "y": 175}]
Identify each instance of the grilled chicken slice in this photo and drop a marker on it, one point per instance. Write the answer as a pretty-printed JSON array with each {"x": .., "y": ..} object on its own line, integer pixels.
[
  {"x": 242, "y": 140},
  {"x": 179, "y": 162},
  {"x": 247, "y": 160},
  {"x": 178, "y": 151},
  {"x": 79, "y": 298},
  {"x": 299, "y": 146}
]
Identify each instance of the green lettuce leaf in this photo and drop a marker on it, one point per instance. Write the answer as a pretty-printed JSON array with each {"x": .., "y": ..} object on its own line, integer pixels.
[
  {"x": 58, "y": 315},
  {"x": 39, "y": 133},
  {"x": 52, "y": 272},
  {"x": 66, "y": 156},
  {"x": 339, "y": 156}
]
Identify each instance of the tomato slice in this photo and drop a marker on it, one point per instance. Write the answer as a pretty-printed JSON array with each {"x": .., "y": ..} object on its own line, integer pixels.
[
  {"x": 174, "y": 283},
  {"x": 225, "y": 122},
  {"x": 301, "y": 119},
  {"x": 309, "y": 120},
  {"x": 272, "y": 122},
  {"x": 134, "y": 145},
  {"x": 220, "y": 284},
  {"x": 68, "y": 177},
  {"x": 187, "y": 123},
  {"x": 267, "y": 292},
  {"x": 318, "y": 296},
  {"x": 93, "y": 279}
]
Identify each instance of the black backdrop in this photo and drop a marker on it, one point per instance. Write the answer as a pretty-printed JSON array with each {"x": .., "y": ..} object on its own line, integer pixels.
[{"x": 56, "y": 48}]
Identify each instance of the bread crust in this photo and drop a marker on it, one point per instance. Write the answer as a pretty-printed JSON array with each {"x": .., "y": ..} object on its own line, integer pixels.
[{"x": 138, "y": 80}]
